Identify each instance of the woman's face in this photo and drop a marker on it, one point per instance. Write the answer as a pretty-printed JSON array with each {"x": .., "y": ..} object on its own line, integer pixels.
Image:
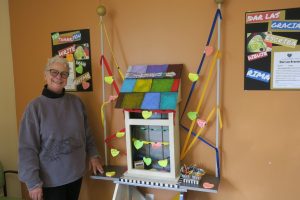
[{"x": 56, "y": 77}]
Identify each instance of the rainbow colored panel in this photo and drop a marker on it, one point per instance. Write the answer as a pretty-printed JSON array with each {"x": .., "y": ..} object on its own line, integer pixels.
[{"x": 150, "y": 87}]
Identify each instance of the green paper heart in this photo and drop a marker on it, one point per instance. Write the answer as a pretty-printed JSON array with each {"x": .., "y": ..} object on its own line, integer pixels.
[
  {"x": 138, "y": 144},
  {"x": 192, "y": 115},
  {"x": 120, "y": 134},
  {"x": 193, "y": 77},
  {"x": 79, "y": 69},
  {"x": 55, "y": 36},
  {"x": 108, "y": 79},
  {"x": 147, "y": 114},
  {"x": 147, "y": 161},
  {"x": 114, "y": 152},
  {"x": 163, "y": 163}
]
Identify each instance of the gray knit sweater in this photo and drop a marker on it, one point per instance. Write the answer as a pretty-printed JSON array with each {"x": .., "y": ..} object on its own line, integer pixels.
[{"x": 55, "y": 141}]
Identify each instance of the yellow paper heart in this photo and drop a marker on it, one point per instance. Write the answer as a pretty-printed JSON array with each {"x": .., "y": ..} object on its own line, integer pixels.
[
  {"x": 120, "y": 134},
  {"x": 138, "y": 144},
  {"x": 109, "y": 79},
  {"x": 146, "y": 114},
  {"x": 193, "y": 77},
  {"x": 114, "y": 152},
  {"x": 110, "y": 174},
  {"x": 163, "y": 163}
]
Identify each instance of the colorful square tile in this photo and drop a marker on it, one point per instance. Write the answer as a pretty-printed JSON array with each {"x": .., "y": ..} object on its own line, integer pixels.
[
  {"x": 168, "y": 100},
  {"x": 177, "y": 68},
  {"x": 128, "y": 85},
  {"x": 138, "y": 69},
  {"x": 162, "y": 85},
  {"x": 151, "y": 101},
  {"x": 119, "y": 100},
  {"x": 142, "y": 85},
  {"x": 157, "y": 68},
  {"x": 175, "y": 85},
  {"x": 132, "y": 100}
]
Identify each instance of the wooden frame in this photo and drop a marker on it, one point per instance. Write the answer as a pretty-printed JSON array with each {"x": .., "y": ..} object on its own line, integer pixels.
[{"x": 174, "y": 147}]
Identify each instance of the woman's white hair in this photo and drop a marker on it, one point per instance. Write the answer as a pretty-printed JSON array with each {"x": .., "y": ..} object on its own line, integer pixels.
[{"x": 56, "y": 59}]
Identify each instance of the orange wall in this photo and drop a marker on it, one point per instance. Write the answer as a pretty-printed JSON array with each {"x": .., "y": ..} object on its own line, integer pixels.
[{"x": 260, "y": 139}]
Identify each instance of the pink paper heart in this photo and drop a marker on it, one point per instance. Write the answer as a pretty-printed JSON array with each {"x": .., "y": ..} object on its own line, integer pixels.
[
  {"x": 209, "y": 50},
  {"x": 112, "y": 98},
  {"x": 156, "y": 145},
  {"x": 85, "y": 85},
  {"x": 207, "y": 185},
  {"x": 201, "y": 123}
]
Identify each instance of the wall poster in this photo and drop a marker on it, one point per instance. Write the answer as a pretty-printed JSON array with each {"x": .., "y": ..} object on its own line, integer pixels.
[
  {"x": 272, "y": 50},
  {"x": 75, "y": 47}
]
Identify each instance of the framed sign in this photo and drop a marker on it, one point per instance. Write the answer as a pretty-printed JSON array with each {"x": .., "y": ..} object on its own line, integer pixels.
[
  {"x": 75, "y": 47},
  {"x": 272, "y": 50}
]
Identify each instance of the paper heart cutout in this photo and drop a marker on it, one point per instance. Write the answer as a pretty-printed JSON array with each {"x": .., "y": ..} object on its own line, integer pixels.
[
  {"x": 209, "y": 50},
  {"x": 201, "y": 123},
  {"x": 120, "y": 134},
  {"x": 163, "y": 163},
  {"x": 146, "y": 114},
  {"x": 192, "y": 115},
  {"x": 69, "y": 57},
  {"x": 108, "y": 79},
  {"x": 147, "y": 161},
  {"x": 79, "y": 69},
  {"x": 193, "y": 77},
  {"x": 114, "y": 152},
  {"x": 207, "y": 185},
  {"x": 138, "y": 144},
  {"x": 156, "y": 145},
  {"x": 85, "y": 85},
  {"x": 112, "y": 97},
  {"x": 110, "y": 174}
]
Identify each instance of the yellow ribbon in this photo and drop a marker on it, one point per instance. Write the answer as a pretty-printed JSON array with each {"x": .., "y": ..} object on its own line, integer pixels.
[
  {"x": 102, "y": 111},
  {"x": 111, "y": 98},
  {"x": 216, "y": 56},
  {"x": 198, "y": 134},
  {"x": 220, "y": 118},
  {"x": 111, "y": 51}
]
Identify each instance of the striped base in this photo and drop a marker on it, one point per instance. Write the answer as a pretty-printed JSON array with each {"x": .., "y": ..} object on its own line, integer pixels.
[{"x": 151, "y": 183}]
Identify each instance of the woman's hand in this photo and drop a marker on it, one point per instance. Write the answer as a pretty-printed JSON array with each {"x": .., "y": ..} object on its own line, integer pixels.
[
  {"x": 36, "y": 193},
  {"x": 96, "y": 165}
]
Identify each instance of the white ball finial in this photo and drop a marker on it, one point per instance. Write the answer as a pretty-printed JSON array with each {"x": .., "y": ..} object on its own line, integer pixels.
[{"x": 101, "y": 10}]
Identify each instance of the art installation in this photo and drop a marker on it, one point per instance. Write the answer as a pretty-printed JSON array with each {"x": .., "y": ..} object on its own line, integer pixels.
[{"x": 149, "y": 97}]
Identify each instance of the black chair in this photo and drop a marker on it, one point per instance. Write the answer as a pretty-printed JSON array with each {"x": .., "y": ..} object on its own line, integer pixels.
[{"x": 3, "y": 186}]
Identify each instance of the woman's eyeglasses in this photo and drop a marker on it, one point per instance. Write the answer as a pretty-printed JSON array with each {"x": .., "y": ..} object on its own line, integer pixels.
[{"x": 54, "y": 73}]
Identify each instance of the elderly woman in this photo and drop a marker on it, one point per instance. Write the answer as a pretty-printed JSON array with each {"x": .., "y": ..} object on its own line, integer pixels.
[{"x": 55, "y": 140}]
